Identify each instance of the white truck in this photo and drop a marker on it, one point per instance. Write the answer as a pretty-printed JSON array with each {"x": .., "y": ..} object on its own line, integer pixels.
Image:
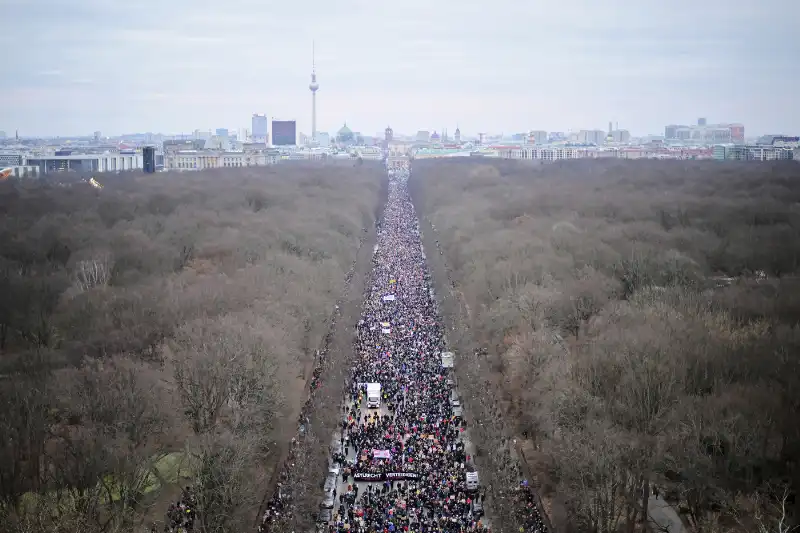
[{"x": 373, "y": 395}]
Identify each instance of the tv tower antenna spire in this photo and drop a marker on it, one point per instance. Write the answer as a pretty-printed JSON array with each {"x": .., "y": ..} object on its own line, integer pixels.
[{"x": 313, "y": 87}]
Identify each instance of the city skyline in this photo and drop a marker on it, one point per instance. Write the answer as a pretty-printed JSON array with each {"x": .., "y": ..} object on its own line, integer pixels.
[
  {"x": 444, "y": 134},
  {"x": 572, "y": 67}
]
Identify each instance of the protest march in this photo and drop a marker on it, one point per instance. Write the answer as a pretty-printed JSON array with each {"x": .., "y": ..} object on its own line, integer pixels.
[{"x": 401, "y": 461}]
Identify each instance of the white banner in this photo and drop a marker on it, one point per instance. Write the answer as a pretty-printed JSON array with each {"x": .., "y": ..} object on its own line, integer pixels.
[
  {"x": 389, "y": 298},
  {"x": 381, "y": 454},
  {"x": 386, "y": 330}
]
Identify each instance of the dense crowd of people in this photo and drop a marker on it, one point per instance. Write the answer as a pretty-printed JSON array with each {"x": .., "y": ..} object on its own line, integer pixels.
[{"x": 403, "y": 466}]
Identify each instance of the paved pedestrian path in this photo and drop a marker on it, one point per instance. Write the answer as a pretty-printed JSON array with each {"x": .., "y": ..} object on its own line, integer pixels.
[{"x": 662, "y": 516}]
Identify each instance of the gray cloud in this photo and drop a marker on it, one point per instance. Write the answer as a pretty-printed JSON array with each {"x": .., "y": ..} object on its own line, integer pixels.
[{"x": 503, "y": 65}]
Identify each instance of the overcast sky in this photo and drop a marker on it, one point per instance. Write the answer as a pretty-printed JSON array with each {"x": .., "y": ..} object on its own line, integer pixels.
[{"x": 502, "y": 66}]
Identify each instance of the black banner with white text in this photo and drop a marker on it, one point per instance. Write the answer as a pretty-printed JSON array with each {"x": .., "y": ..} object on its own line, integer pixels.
[{"x": 384, "y": 476}]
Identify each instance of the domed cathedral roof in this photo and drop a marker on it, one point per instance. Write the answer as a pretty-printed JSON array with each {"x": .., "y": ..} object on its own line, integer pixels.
[
  {"x": 344, "y": 130},
  {"x": 435, "y": 136}
]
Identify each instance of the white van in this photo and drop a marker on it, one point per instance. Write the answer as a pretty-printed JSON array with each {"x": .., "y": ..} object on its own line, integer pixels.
[
  {"x": 454, "y": 400},
  {"x": 324, "y": 516},
  {"x": 472, "y": 480},
  {"x": 373, "y": 395}
]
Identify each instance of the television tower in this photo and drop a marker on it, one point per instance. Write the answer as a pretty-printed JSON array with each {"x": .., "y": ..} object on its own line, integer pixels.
[{"x": 314, "y": 87}]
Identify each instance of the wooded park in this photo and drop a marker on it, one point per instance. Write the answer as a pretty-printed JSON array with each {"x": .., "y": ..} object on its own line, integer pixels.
[
  {"x": 630, "y": 328},
  {"x": 157, "y": 333},
  {"x": 637, "y": 322}
]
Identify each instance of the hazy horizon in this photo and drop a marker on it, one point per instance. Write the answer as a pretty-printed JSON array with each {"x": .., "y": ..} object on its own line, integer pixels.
[{"x": 499, "y": 67}]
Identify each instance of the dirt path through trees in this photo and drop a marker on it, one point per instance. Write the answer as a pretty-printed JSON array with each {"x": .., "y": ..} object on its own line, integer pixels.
[{"x": 320, "y": 413}]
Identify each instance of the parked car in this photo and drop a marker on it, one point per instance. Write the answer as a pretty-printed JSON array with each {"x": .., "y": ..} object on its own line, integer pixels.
[
  {"x": 324, "y": 516},
  {"x": 329, "y": 501}
]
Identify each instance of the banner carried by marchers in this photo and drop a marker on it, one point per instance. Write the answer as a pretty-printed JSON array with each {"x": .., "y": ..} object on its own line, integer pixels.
[
  {"x": 381, "y": 454},
  {"x": 384, "y": 476}
]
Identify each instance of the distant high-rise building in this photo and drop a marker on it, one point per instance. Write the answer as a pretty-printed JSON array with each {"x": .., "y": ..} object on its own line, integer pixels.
[
  {"x": 591, "y": 137},
  {"x": 671, "y": 131},
  {"x": 537, "y": 137},
  {"x": 222, "y": 132},
  {"x": 97, "y": 136},
  {"x": 260, "y": 128},
  {"x": 284, "y": 133},
  {"x": 149, "y": 159},
  {"x": 457, "y": 135},
  {"x": 621, "y": 136}
]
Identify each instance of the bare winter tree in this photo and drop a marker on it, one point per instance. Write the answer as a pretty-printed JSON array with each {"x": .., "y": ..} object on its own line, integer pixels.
[
  {"x": 771, "y": 511},
  {"x": 26, "y": 428},
  {"x": 94, "y": 272},
  {"x": 227, "y": 486},
  {"x": 224, "y": 375},
  {"x": 213, "y": 289},
  {"x": 117, "y": 427},
  {"x": 648, "y": 274}
]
